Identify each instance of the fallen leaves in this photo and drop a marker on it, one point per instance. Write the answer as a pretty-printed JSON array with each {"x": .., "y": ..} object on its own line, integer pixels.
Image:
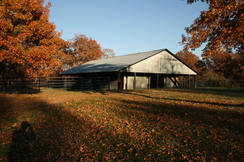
[{"x": 168, "y": 125}]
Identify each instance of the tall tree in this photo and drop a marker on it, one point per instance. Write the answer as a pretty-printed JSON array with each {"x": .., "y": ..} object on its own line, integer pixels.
[
  {"x": 228, "y": 65},
  {"x": 82, "y": 49},
  {"x": 29, "y": 44},
  {"x": 107, "y": 53},
  {"x": 188, "y": 57},
  {"x": 193, "y": 61},
  {"x": 221, "y": 27}
]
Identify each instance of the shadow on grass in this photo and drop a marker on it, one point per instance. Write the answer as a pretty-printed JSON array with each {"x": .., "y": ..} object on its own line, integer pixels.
[
  {"x": 60, "y": 135},
  {"x": 229, "y": 92},
  {"x": 63, "y": 134},
  {"x": 87, "y": 91},
  {"x": 233, "y": 121},
  {"x": 218, "y": 118},
  {"x": 20, "y": 91},
  {"x": 21, "y": 142},
  {"x": 223, "y": 90},
  {"x": 184, "y": 100},
  {"x": 198, "y": 132},
  {"x": 48, "y": 123}
]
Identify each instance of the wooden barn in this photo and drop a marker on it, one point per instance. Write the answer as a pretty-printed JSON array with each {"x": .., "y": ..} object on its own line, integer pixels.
[{"x": 145, "y": 70}]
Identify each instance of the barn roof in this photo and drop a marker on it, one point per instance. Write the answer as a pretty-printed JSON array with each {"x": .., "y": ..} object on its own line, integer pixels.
[{"x": 113, "y": 64}]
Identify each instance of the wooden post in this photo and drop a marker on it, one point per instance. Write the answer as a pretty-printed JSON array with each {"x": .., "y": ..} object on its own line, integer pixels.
[
  {"x": 189, "y": 86},
  {"x": 134, "y": 83},
  {"x": 195, "y": 81},
  {"x": 39, "y": 84},
  {"x": 157, "y": 80},
  {"x": 119, "y": 81},
  {"x": 126, "y": 85},
  {"x": 183, "y": 81},
  {"x": 109, "y": 82},
  {"x": 65, "y": 86},
  {"x": 176, "y": 82},
  {"x": 149, "y": 81},
  {"x": 163, "y": 80}
]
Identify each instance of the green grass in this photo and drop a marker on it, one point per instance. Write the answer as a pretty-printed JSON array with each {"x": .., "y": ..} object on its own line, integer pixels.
[{"x": 203, "y": 124}]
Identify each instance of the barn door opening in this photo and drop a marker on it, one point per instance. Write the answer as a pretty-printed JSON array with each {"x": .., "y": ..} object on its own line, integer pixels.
[{"x": 157, "y": 81}]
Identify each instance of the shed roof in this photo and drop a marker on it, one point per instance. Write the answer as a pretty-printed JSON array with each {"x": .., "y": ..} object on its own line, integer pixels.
[{"x": 114, "y": 64}]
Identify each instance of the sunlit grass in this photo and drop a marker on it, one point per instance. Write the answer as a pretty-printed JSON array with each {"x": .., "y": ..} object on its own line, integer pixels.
[{"x": 133, "y": 125}]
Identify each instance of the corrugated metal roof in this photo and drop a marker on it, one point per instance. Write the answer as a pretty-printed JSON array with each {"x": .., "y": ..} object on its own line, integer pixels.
[{"x": 112, "y": 64}]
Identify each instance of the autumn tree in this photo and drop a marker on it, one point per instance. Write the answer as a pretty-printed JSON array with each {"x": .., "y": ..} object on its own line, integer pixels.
[
  {"x": 221, "y": 30},
  {"x": 107, "y": 53},
  {"x": 193, "y": 61},
  {"x": 80, "y": 50},
  {"x": 226, "y": 64},
  {"x": 188, "y": 57},
  {"x": 29, "y": 44}
]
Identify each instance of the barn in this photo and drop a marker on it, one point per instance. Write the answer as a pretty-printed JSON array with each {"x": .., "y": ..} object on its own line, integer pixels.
[{"x": 144, "y": 70}]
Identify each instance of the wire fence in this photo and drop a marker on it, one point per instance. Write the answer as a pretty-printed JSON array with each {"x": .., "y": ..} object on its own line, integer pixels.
[
  {"x": 67, "y": 83},
  {"x": 210, "y": 82},
  {"x": 93, "y": 83}
]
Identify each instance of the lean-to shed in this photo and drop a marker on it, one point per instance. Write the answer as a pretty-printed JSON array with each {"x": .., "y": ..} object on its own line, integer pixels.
[{"x": 152, "y": 69}]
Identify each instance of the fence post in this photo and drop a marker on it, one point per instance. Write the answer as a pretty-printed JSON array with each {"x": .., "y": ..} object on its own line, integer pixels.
[
  {"x": 39, "y": 84},
  {"x": 195, "y": 81},
  {"x": 65, "y": 86},
  {"x": 189, "y": 86},
  {"x": 184, "y": 81},
  {"x": 109, "y": 82},
  {"x": 2, "y": 82}
]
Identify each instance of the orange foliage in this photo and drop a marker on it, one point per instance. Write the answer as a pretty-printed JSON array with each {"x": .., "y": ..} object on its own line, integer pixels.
[
  {"x": 188, "y": 57},
  {"x": 227, "y": 64},
  {"x": 82, "y": 49},
  {"x": 108, "y": 53},
  {"x": 29, "y": 44},
  {"x": 221, "y": 27}
]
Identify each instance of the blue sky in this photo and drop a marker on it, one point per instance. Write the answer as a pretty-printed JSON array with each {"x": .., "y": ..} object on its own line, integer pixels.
[{"x": 127, "y": 26}]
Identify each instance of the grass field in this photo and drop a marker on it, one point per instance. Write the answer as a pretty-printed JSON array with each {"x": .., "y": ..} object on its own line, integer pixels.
[{"x": 133, "y": 125}]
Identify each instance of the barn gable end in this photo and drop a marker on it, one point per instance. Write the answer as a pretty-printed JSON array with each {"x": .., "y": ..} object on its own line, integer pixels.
[{"x": 163, "y": 62}]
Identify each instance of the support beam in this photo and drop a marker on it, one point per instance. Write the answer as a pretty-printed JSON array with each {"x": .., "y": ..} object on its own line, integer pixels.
[
  {"x": 149, "y": 82},
  {"x": 157, "y": 85},
  {"x": 189, "y": 86},
  {"x": 195, "y": 81},
  {"x": 65, "y": 83},
  {"x": 184, "y": 84},
  {"x": 109, "y": 83},
  {"x": 175, "y": 82},
  {"x": 134, "y": 83},
  {"x": 119, "y": 80},
  {"x": 126, "y": 84}
]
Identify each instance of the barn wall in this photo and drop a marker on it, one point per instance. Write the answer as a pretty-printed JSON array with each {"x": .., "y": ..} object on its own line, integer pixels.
[
  {"x": 113, "y": 84},
  {"x": 142, "y": 82},
  {"x": 163, "y": 62}
]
